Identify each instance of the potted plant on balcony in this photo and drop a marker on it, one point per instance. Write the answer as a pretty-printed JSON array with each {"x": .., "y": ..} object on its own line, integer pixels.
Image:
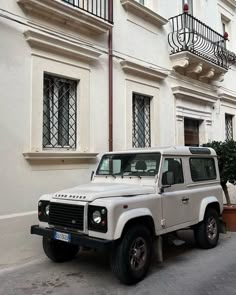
[{"x": 226, "y": 154}]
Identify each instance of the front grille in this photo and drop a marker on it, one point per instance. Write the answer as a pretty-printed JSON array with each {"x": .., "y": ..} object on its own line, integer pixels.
[{"x": 65, "y": 215}]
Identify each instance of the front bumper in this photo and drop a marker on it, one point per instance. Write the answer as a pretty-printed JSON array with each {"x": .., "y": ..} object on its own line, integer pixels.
[{"x": 76, "y": 239}]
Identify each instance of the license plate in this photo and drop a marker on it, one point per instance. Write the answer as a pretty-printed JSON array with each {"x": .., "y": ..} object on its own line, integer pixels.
[{"x": 62, "y": 236}]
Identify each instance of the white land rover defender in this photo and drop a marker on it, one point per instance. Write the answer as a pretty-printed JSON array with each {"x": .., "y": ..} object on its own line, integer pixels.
[{"x": 133, "y": 199}]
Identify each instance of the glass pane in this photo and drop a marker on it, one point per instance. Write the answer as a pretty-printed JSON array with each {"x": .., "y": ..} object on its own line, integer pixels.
[
  {"x": 228, "y": 127},
  {"x": 59, "y": 112},
  {"x": 202, "y": 169},
  {"x": 143, "y": 164},
  {"x": 174, "y": 166},
  {"x": 141, "y": 121}
]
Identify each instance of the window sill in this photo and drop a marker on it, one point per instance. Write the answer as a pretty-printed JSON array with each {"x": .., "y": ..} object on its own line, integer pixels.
[
  {"x": 144, "y": 12},
  {"x": 35, "y": 156}
]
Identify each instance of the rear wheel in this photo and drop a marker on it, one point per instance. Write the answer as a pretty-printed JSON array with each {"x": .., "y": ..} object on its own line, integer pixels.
[
  {"x": 131, "y": 258},
  {"x": 59, "y": 251},
  {"x": 207, "y": 232}
]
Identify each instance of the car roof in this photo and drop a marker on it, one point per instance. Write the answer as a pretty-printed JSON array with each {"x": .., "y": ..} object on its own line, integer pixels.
[{"x": 171, "y": 150}]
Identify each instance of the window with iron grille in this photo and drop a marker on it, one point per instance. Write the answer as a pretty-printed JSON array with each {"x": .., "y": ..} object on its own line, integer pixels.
[
  {"x": 228, "y": 127},
  {"x": 141, "y": 121},
  {"x": 59, "y": 112}
]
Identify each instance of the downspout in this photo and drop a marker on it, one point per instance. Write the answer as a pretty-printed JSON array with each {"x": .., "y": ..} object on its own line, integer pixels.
[{"x": 110, "y": 73}]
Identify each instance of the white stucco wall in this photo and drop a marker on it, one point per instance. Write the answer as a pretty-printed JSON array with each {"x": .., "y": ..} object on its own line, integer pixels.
[{"x": 135, "y": 39}]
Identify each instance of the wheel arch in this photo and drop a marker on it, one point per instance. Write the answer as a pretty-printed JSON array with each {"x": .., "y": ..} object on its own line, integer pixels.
[
  {"x": 134, "y": 217},
  {"x": 209, "y": 202}
]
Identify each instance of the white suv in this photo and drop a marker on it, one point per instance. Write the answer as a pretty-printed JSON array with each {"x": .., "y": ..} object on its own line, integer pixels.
[{"x": 133, "y": 198}]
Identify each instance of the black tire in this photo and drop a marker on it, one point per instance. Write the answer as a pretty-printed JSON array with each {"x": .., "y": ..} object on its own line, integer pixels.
[
  {"x": 131, "y": 257},
  {"x": 207, "y": 232},
  {"x": 59, "y": 251}
]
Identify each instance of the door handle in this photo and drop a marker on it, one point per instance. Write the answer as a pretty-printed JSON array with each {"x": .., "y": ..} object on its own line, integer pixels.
[{"x": 185, "y": 200}]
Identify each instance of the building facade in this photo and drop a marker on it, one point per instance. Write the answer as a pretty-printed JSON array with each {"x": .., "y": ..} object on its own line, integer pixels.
[{"x": 81, "y": 77}]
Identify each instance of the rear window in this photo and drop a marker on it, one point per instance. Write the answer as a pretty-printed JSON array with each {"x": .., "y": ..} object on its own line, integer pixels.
[{"x": 202, "y": 169}]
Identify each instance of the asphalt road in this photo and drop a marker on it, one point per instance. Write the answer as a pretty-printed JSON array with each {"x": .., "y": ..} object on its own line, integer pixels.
[{"x": 186, "y": 270}]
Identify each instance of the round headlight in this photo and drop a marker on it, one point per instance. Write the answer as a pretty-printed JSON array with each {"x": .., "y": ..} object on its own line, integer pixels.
[
  {"x": 47, "y": 208},
  {"x": 97, "y": 218}
]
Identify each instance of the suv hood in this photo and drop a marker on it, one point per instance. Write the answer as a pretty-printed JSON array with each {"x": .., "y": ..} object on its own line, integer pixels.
[{"x": 92, "y": 191}]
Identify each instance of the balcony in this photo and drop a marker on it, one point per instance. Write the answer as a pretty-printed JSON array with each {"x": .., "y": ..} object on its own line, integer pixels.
[
  {"x": 197, "y": 50},
  {"x": 93, "y": 16},
  {"x": 97, "y": 8}
]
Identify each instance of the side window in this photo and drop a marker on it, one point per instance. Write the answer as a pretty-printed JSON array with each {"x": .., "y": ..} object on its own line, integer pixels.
[
  {"x": 173, "y": 165},
  {"x": 202, "y": 169}
]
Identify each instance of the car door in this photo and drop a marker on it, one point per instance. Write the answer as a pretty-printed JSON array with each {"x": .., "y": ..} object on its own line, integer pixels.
[{"x": 175, "y": 200}]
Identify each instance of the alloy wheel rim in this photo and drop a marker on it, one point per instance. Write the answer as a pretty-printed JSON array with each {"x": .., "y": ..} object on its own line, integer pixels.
[
  {"x": 211, "y": 228},
  {"x": 138, "y": 254}
]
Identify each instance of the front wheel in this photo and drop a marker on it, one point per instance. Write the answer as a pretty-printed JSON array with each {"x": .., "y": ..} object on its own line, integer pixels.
[
  {"x": 59, "y": 251},
  {"x": 207, "y": 232},
  {"x": 131, "y": 258}
]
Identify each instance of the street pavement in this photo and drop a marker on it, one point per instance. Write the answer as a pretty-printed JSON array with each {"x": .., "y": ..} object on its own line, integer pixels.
[{"x": 186, "y": 270}]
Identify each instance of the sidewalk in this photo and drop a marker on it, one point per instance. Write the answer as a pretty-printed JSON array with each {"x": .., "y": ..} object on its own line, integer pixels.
[{"x": 17, "y": 244}]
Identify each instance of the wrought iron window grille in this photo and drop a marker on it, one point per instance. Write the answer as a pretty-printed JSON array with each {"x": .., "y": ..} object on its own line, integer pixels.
[
  {"x": 141, "y": 121},
  {"x": 59, "y": 112},
  {"x": 190, "y": 34},
  {"x": 228, "y": 127},
  {"x": 100, "y": 8}
]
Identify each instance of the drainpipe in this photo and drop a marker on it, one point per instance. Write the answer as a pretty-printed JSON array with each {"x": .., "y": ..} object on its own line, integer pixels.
[{"x": 110, "y": 82}]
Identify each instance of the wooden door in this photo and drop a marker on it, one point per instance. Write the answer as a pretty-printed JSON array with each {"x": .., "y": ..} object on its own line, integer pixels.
[{"x": 191, "y": 132}]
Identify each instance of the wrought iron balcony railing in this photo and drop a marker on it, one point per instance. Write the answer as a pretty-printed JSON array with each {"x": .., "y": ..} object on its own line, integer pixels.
[
  {"x": 100, "y": 8},
  {"x": 190, "y": 34}
]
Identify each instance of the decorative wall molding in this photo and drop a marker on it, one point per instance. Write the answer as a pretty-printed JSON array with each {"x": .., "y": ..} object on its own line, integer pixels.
[
  {"x": 145, "y": 13},
  {"x": 185, "y": 92},
  {"x": 142, "y": 71},
  {"x": 67, "y": 15},
  {"x": 183, "y": 111},
  {"x": 231, "y": 3},
  {"x": 225, "y": 97},
  {"x": 63, "y": 47}
]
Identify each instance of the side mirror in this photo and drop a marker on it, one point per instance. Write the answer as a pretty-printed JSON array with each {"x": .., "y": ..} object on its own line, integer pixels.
[
  {"x": 92, "y": 174},
  {"x": 168, "y": 178}
]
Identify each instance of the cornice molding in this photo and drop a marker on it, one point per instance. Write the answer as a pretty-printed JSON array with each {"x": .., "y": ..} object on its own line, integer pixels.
[
  {"x": 66, "y": 14},
  {"x": 63, "y": 47},
  {"x": 227, "y": 97},
  {"x": 144, "y": 12},
  {"x": 185, "y": 92},
  {"x": 231, "y": 3},
  {"x": 142, "y": 71}
]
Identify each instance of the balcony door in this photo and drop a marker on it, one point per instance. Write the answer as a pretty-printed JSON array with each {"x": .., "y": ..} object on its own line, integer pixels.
[{"x": 191, "y": 132}]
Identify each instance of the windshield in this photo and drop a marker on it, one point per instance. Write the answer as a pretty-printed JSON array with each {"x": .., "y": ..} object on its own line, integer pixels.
[{"x": 141, "y": 164}]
